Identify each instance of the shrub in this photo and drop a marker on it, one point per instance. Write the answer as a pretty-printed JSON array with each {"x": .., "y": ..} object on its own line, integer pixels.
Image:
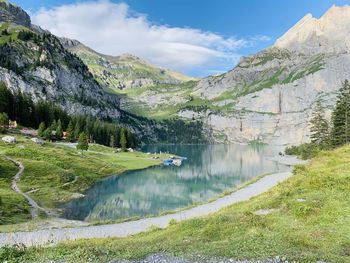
[
  {"x": 11, "y": 253},
  {"x": 303, "y": 151}
]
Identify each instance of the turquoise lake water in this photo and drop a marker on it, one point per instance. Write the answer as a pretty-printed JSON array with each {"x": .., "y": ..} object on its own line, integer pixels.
[{"x": 208, "y": 171}]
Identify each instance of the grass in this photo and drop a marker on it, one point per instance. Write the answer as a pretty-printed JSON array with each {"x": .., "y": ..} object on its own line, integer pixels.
[
  {"x": 310, "y": 223},
  {"x": 13, "y": 207},
  {"x": 56, "y": 172}
]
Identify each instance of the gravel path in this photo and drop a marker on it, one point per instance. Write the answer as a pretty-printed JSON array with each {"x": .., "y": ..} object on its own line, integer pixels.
[
  {"x": 41, "y": 237},
  {"x": 35, "y": 207},
  {"x": 164, "y": 258}
]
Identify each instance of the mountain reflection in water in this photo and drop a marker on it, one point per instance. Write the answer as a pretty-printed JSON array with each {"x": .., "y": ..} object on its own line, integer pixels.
[{"x": 208, "y": 171}]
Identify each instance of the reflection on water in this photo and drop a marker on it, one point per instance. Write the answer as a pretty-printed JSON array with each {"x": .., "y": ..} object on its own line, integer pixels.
[{"x": 209, "y": 170}]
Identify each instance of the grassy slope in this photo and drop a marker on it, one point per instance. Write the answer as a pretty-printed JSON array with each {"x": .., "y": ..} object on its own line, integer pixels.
[
  {"x": 50, "y": 168},
  {"x": 316, "y": 229},
  {"x": 124, "y": 68},
  {"x": 13, "y": 207}
]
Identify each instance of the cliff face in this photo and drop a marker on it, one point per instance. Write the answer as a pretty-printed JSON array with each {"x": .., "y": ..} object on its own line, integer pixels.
[
  {"x": 270, "y": 95},
  {"x": 34, "y": 61}
]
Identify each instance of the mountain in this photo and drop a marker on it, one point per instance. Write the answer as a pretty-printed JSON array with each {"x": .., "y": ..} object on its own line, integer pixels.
[
  {"x": 133, "y": 80},
  {"x": 268, "y": 97},
  {"x": 272, "y": 94},
  {"x": 34, "y": 61},
  {"x": 122, "y": 72}
]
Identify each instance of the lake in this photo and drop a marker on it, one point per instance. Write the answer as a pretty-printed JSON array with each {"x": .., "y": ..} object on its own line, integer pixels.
[{"x": 208, "y": 171}]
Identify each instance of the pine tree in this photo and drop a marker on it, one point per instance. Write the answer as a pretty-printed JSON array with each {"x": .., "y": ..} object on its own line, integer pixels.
[
  {"x": 123, "y": 141},
  {"x": 83, "y": 143},
  {"x": 54, "y": 125},
  {"x": 4, "y": 119},
  {"x": 6, "y": 100},
  {"x": 77, "y": 131},
  {"x": 341, "y": 117},
  {"x": 59, "y": 130},
  {"x": 319, "y": 127},
  {"x": 47, "y": 134},
  {"x": 70, "y": 132},
  {"x": 41, "y": 129},
  {"x": 130, "y": 139},
  {"x": 112, "y": 141},
  {"x": 4, "y": 122}
]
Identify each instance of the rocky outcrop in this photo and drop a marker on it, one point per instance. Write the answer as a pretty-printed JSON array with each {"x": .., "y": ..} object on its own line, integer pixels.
[{"x": 12, "y": 14}]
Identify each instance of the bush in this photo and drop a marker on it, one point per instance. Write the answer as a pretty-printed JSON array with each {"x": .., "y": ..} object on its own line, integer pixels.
[
  {"x": 12, "y": 253},
  {"x": 303, "y": 151}
]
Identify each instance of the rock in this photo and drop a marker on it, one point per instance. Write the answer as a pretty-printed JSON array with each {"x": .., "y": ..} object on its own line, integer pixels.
[
  {"x": 9, "y": 139},
  {"x": 37, "y": 141},
  {"x": 77, "y": 196}
]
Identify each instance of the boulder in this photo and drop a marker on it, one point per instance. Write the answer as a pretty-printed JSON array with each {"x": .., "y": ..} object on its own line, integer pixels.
[
  {"x": 9, "y": 139},
  {"x": 37, "y": 141}
]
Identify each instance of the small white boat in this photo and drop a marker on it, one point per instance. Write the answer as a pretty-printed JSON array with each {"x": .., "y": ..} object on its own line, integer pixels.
[{"x": 177, "y": 162}]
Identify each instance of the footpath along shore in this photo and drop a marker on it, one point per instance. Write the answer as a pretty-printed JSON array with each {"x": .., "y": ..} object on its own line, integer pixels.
[{"x": 42, "y": 237}]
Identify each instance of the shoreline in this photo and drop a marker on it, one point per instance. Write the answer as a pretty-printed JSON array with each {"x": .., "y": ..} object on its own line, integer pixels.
[{"x": 124, "y": 229}]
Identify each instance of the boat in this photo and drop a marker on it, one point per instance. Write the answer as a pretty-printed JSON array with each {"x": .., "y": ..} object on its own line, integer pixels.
[
  {"x": 177, "y": 162},
  {"x": 168, "y": 162}
]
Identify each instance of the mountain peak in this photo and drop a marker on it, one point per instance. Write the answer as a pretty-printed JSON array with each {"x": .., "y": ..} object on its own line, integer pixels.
[
  {"x": 69, "y": 43},
  {"x": 330, "y": 33}
]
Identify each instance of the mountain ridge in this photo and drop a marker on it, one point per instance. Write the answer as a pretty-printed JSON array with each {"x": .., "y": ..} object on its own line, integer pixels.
[{"x": 123, "y": 71}]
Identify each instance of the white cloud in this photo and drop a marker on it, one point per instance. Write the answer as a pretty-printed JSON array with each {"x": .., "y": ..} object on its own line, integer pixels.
[{"x": 114, "y": 29}]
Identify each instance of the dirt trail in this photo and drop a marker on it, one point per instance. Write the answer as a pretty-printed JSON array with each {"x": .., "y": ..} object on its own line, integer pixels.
[{"x": 35, "y": 208}]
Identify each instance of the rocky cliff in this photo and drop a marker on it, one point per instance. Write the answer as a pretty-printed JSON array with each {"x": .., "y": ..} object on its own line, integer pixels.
[
  {"x": 34, "y": 61},
  {"x": 270, "y": 96}
]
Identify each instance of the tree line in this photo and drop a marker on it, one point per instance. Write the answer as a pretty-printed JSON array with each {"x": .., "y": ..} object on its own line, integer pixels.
[
  {"x": 324, "y": 134},
  {"x": 51, "y": 121}
]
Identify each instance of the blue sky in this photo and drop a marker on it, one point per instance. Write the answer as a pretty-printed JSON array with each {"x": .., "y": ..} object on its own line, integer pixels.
[{"x": 230, "y": 28}]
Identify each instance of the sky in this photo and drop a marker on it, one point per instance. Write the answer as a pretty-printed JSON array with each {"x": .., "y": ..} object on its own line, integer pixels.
[{"x": 196, "y": 37}]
